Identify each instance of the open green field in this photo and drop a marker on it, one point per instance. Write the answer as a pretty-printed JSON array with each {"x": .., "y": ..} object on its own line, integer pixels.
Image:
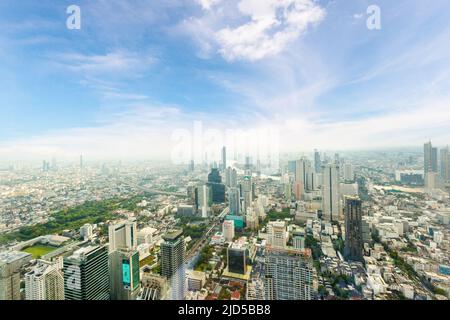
[{"x": 39, "y": 250}]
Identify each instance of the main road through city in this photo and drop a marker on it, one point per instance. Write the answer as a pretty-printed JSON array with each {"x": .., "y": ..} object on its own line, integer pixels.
[{"x": 205, "y": 239}]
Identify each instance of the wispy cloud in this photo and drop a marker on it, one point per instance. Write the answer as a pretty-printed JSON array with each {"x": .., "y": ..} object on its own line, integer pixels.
[{"x": 262, "y": 28}]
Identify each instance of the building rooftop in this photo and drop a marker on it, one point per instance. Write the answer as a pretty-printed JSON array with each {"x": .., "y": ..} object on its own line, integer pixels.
[
  {"x": 12, "y": 256},
  {"x": 173, "y": 234}
]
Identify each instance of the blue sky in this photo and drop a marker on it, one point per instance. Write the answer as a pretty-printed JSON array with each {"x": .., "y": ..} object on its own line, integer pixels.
[{"x": 138, "y": 70}]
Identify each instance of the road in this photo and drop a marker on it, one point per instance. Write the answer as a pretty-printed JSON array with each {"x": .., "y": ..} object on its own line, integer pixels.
[{"x": 206, "y": 237}]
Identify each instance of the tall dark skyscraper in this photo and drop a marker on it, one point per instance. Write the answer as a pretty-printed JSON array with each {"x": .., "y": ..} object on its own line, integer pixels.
[
  {"x": 216, "y": 185},
  {"x": 214, "y": 176},
  {"x": 172, "y": 262},
  {"x": 353, "y": 229},
  {"x": 86, "y": 274}
]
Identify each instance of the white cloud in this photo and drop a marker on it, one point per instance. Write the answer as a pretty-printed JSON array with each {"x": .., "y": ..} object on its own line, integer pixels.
[
  {"x": 208, "y": 4},
  {"x": 111, "y": 62},
  {"x": 273, "y": 25}
]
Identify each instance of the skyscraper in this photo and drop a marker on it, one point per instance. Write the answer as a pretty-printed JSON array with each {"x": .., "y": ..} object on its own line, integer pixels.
[
  {"x": 125, "y": 282},
  {"x": 45, "y": 281},
  {"x": 305, "y": 176},
  {"x": 204, "y": 200},
  {"x": 445, "y": 165},
  {"x": 217, "y": 188},
  {"x": 86, "y": 274},
  {"x": 301, "y": 172},
  {"x": 353, "y": 229},
  {"x": 231, "y": 177},
  {"x": 430, "y": 158},
  {"x": 317, "y": 162},
  {"x": 228, "y": 230},
  {"x": 430, "y": 165},
  {"x": 292, "y": 166},
  {"x": 234, "y": 199},
  {"x": 237, "y": 258},
  {"x": 10, "y": 264},
  {"x": 123, "y": 235},
  {"x": 288, "y": 274},
  {"x": 276, "y": 234},
  {"x": 172, "y": 262},
  {"x": 247, "y": 192},
  {"x": 330, "y": 192},
  {"x": 224, "y": 158},
  {"x": 349, "y": 175}
]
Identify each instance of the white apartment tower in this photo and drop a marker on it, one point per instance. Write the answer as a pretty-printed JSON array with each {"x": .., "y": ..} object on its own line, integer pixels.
[
  {"x": 45, "y": 282},
  {"x": 276, "y": 234},
  {"x": 123, "y": 235},
  {"x": 330, "y": 192}
]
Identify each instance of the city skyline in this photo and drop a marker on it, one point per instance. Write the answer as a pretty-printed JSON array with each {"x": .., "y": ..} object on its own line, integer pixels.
[{"x": 120, "y": 87}]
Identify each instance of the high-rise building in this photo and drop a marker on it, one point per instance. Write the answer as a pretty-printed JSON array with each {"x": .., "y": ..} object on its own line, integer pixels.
[
  {"x": 251, "y": 219},
  {"x": 288, "y": 274},
  {"x": 255, "y": 289},
  {"x": 10, "y": 264},
  {"x": 86, "y": 274},
  {"x": 172, "y": 263},
  {"x": 292, "y": 167},
  {"x": 248, "y": 163},
  {"x": 430, "y": 158},
  {"x": 224, "y": 158},
  {"x": 145, "y": 235},
  {"x": 445, "y": 165},
  {"x": 330, "y": 192},
  {"x": 301, "y": 172},
  {"x": 298, "y": 240},
  {"x": 349, "y": 175},
  {"x": 276, "y": 234},
  {"x": 86, "y": 231},
  {"x": 45, "y": 281},
  {"x": 234, "y": 199},
  {"x": 430, "y": 166},
  {"x": 317, "y": 162},
  {"x": 216, "y": 186},
  {"x": 287, "y": 190},
  {"x": 237, "y": 258},
  {"x": 123, "y": 235},
  {"x": 247, "y": 189},
  {"x": 125, "y": 281},
  {"x": 154, "y": 287},
  {"x": 228, "y": 230},
  {"x": 204, "y": 200},
  {"x": 231, "y": 177},
  {"x": 353, "y": 229}
]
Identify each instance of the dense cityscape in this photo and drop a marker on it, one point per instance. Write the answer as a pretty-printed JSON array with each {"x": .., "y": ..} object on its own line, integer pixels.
[
  {"x": 224, "y": 158},
  {"x": 327, "y": 226}
]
